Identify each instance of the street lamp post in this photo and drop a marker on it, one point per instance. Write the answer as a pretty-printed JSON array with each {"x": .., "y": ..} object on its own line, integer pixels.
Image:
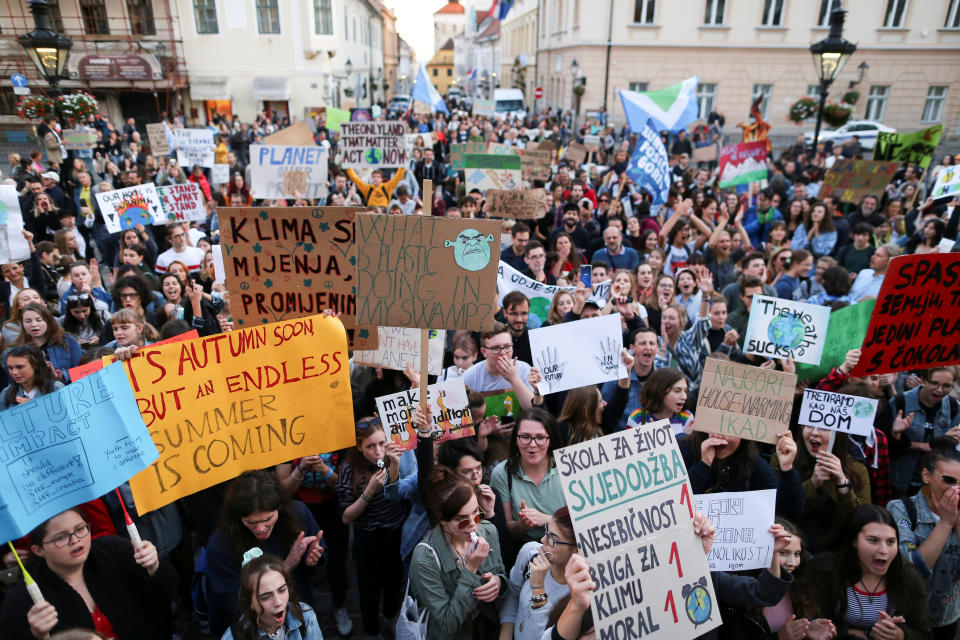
[
  {"x": 47, "y": 49},
  {"x": 829, "y": 57},
  {"x": 575, "y": 73}
]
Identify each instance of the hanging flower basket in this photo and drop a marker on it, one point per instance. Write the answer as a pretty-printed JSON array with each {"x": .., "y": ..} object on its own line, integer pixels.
[
  {"x": 805, "y": 107},
  {"x": 836, "y": 115},
  {"x": 851, "y": 97},
  {"x": 579, "y": 89},
  {"x": 348, "y": 92},
  {"x": 35, "y": 107},
  {"x": 78, "y": 106}
]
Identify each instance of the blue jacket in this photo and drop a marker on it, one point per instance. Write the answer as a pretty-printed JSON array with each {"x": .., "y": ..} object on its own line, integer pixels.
[
  {"x": 628, "y": 260},
  {"x": 309, "y": 630}
]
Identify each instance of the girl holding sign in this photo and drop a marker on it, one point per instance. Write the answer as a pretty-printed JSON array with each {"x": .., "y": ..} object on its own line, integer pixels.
[
  {"x": 40, "y": 329},
  {"x": 99, "y": 584},
  {"x": 30, "y": 376}
]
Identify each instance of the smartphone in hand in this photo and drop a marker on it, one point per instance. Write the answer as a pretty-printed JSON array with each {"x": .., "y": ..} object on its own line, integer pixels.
[{"x": 586, "y": 275}]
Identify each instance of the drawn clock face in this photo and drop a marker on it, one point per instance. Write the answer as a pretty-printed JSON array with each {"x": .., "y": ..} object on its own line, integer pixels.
[{"x": 698, "y": 604}]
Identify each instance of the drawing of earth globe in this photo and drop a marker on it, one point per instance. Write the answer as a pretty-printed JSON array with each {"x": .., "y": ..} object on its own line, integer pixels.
[
  {"x": 374, "y": 156},
  {"x": 786, "y": 332},
  {"x": 540, "y": 307},
  {"x": 862, "y": 409}
]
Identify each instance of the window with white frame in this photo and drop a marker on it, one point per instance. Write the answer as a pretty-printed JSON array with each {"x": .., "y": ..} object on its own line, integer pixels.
[
  {"x": 762, "y": 90},
  {"x": 643, "y": 11},
  {"x": 895, "y": 13},
  {"x": 714, "y": 12},
  {"x": 813, "y": 90},
  {"x": 322, "y": 18},
  {"x": 773, "y": 13},
  {"x": 205, "y": 13},
  {"x": 953, "y": 15},
  {"x": 826, "y": 6},
  {"x": 877, "y": 102},
  {"x": 933, "y": 107},
  {"x": 268, "y": 16},
  {"x": 706, "y": 97},
  {"x": 639, "y": 87}
]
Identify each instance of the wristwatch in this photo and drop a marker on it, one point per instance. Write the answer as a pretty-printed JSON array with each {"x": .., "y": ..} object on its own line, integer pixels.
[{"x": 845, "y": 485}]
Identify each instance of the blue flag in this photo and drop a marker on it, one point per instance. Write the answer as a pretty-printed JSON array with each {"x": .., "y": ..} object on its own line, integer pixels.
[
  {"x": 424, "y": 91},
  {"x": 671, "y": 108},
  {"x": 648, "y": 165}
]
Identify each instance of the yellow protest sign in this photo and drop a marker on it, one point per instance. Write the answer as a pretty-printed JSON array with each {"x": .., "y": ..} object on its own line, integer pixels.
[{"x": 242, "y": 400}]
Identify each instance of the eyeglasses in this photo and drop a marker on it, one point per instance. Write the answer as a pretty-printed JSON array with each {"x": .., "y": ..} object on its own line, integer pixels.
[
  {"x": 950, "y": 480},
  {"x": 82, "y": 297},
  {"x": 128, "y": 296},
  {"x": 505, "y": 348},
  {"x": 553, "y": 540},
  {"x": 366, "y": 422},
  {"x": 62, "y": 540},
  {"x": 526, "y": 438},
  {"x": 604, "y": 200},
  {"x": 946, "y": 386},
  {"x": 464, "y": 521}
]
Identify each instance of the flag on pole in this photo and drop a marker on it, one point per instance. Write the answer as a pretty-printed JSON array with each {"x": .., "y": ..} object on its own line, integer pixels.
[
  {"x": 505, "y": 6},
  {"x": 424, "y": 91},
  {"x": 648, "y": 166},
  {"x": 670, "y": 109}
]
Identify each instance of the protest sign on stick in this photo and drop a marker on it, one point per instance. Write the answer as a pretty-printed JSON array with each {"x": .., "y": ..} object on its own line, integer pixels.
[
  {"x": 914, "y": 148},
  {"x": 126, "y": 208},
  {"x": 241, "y": 400},
  {"x": 181, "y": 203},
  {"x": 780, "y": 328},
  {"x": 458, "y": 152},
  {"x": 420, "y": 271},
  {"x": 488, "y": 171},
  {"x": 157, "y": 134},
  {"x": 632, "y": 511},
  {"x": 291, "y": 262},
  {"x": 576, "y": 153},
  {"x": 744, "y": 401},
  {"x": 847, "y": 328},
  {"x": 743, "y": 519},
  {"x": 67, "y": 447},
  {"x": 373, "y": 145},
  {"x": 948, "y": 183},
  {"x": 837, "y": 412},
  {"x": 705, "y": 154},
  {"x": 79, "y": 138},
  {"x": 535, "y": 164},
  {"x": 13, "y": 246},
  {"x": 194, "y": 146},
  {"x": 577, "y": 354},
  {"x": 220, "y": 174},
  {"x": 448, "y": 406},
  {"x": 916, "y": 320},
  {"x": 296, "y": 135},
  {"x": 500, "y": 149},
  {"x": 398, "y": 347},
  {"x": 849, "y": 180},
  {"x": 526, "y": 204},
  {"x": 269, "y": 165},
  {"x": 743, "y": 163}
]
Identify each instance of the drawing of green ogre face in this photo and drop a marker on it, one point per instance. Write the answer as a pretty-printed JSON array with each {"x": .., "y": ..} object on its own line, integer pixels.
[{"x": 470, "y": 249}]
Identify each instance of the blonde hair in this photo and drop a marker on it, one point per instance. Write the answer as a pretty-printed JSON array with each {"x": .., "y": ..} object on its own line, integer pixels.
[{"x": 130, "y": 316}]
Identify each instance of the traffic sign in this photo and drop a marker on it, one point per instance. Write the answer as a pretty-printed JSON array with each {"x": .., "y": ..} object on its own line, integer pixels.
[
  {"x": 538, "y": 93},
  {"x": 18, "y": 80}
]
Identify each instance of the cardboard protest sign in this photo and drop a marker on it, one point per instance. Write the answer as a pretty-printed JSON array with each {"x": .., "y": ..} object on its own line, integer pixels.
[
  {"x": 269, "y": 166},
  {"x": 577, "y": 354},
  {"x": 449, "y": 408},
  {"x": 847, "y": 328},
  {"x": 126, "y": 208},
  {"x": 744, "y": 401},
  {"x": 373, "y": 145},
  {"x": 540, "y": 294},
  {"x": 535, "y": 165},
  {"x": 488, "y": 171},
  {"x": 93, "y": 366},
  {"x": 781, "y": 328},
  {"x": 157, "y": 134},
  {"x": 632, "y": 511},
  {"x": 576, "y": 153},
  {"x": 426, "y": 272},
  {"x": 80, "y": 138},
  {"x": 220, "y": 174},
  {"x": 296, "y": 135},
  {"x": 705, "y": 154},
  {"x": 247, "y": 399},
  {"x": 849, "y": 180},
  {"x": 500, "y": 149},
  {"x": 948, "y": 183},
  {"x": 67, "y": 447},
  {"x": 743, "y": 519},
  {"x": 397, "y": 347},
  {"x": 743, "y": 163},
  {"x": 458, "y": 151},
  {"x": 292, "y": 262},
  {"x": 526, "y": 204},
  {"x": 837, "y": 412},
  {"x": 484, "y": 108},
  {"x": 916, "y": 320},
  {"x": 915, "y": 148},
  {"x": 194, "y": 146},
  {"x": 591, "y": 142},
  {"x": 550, "y": 146},
  {"x": 181, "y": 203},
  {"x": 13, "y": 246}
]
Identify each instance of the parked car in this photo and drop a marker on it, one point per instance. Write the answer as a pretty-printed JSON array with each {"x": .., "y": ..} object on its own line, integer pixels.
[
  {"x": 866, "y": 129},
  {"x": 399, "y": 104}
]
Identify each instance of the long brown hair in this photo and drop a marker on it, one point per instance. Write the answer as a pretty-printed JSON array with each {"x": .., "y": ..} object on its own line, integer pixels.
[
  {"x": 579, "y": 412},
  {"x": 361, "y": 467},
  {"x": 54, "y": 333},
  {"x": 248, "y": 627},
  {"x": 447, "y": 493}
]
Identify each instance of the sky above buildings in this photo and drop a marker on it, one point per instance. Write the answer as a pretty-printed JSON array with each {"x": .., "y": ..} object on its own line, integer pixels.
[{"x": 415, "y": 24}]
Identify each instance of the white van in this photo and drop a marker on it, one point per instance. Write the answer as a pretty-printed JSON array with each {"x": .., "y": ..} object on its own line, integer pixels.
[{"x": 509, "y": 104}]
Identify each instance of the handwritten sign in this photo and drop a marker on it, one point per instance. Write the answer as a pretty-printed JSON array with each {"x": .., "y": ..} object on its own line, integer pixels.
[
  {"x": 744, "y": 401},
  {"x": 93, "y": 366},
  {"x": 743, "y": 163},
  {"x": 781, "y": 328},
  {"x": 705, "y": 154},
  {"x": 526, "y": 204},
  {"x": 849, "y": 180},
  {"x": 837, "y": 412},
  {"x": 541, "y": 294},
  {"x": 296, "y": 135},
  {"x": 458, "y": 151},
  {"x": 421, "y": 272},
  {"x": 500, "y": 149},
  {"x": 194, "y": 146},
  {"x": 847, "y": 328},
  {"x": 13, "y": 246},
  {"x": 292, "y": 262},
  {"x": 398, "y": 347},
  {"x": 81, "y": 138},
  {"x": 488, "y": 171},
  {"x": 632, "y": 510},
  {"x": 181, "y": 203},
  {"x": 916, "y": 320},
  {"x": 915, "y": 148},
  {"x": 486, "y": 108},
  {"x": 576, "y": 153},
  {"x": 157, "y": 134},
  {"x": 126, "y": 208},
  {"x": 743, "y": 519},
  {"x": 370, "y": 145},
  {"x": 535, "y": 165},
  {"x": 448, "y": 404},
  {"x": 220, "y": 174},
  {"x": 948, "y": 183},
  {"x": 591, "y": 142},
  {"x": 246, "y": 399},
  {"x": 67, "y": 447},
  {"x": 269, "y": 165},
  {"x": 577, "y": 354}
]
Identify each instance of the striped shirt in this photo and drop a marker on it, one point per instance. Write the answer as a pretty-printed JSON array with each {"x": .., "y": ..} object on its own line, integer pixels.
[
  {"x": 381, "y": 513},
  {"x": 863, "y": 609}
]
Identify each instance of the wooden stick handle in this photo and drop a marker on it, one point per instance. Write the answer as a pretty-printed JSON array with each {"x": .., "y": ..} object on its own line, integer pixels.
[
  {"x": 427, "y": 198},
  {"x": 424, "y": 367}
]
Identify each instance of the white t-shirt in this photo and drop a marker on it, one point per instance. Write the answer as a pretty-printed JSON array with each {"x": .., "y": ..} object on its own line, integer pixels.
[{"x": 191, "y": 256}]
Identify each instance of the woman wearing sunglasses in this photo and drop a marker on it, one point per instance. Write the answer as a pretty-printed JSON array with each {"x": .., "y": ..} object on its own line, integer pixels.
[
  {"x": 456, "y": 571},
  {"x": 103, "y": 584},
  {"x": 537, "y": 580}
]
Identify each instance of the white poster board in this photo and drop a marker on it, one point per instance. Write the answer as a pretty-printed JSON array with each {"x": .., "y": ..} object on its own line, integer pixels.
[
  {"x": 484, "y": 179},
  {"x": 219, "y": 270},
  {"x": 220, "y": 174},
  {"x": 484, "y": 108},
  {"x": 631, "y": 503},
  {"x": 837, "y": 412},
  {"x": 948, "y": 183},
  {"x": 780, "y": 328},
  {"x": 13, "y": 246},
  {"x": 577, "y": 354},
  {"x": 540, "y": 294},
  {"x": 398, "y": 347},
  {"x": 448, "y": 405},
  {"x": 269, "y": 166},
  {"x": 743, "y": 519},
  {"x": 181, "y": 203},
  {"x": 373, "y": 145},
  {"x": 194, "y": 146},
  {"x": 126, "y": 208}
]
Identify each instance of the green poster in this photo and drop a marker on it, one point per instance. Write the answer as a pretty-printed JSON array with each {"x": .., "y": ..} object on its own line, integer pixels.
[
  {"x": 491, "y": 161},
  {"x": 917, "y": 147},
  {"x": 457, "y": 152},
  {"x": 504, "y": 404},
  {"x": 846, "y": 331}
]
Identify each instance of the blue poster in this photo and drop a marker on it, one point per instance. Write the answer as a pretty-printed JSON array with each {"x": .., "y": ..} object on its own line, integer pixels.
[
  {"x": 68, "y": 447},
  {"x": 648, "y": 166}
]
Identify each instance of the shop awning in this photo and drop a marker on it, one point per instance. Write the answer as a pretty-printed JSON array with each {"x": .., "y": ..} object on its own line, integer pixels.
[
  {"x": 209, "y": 89},
  {"x": 270, "y": 89}
]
